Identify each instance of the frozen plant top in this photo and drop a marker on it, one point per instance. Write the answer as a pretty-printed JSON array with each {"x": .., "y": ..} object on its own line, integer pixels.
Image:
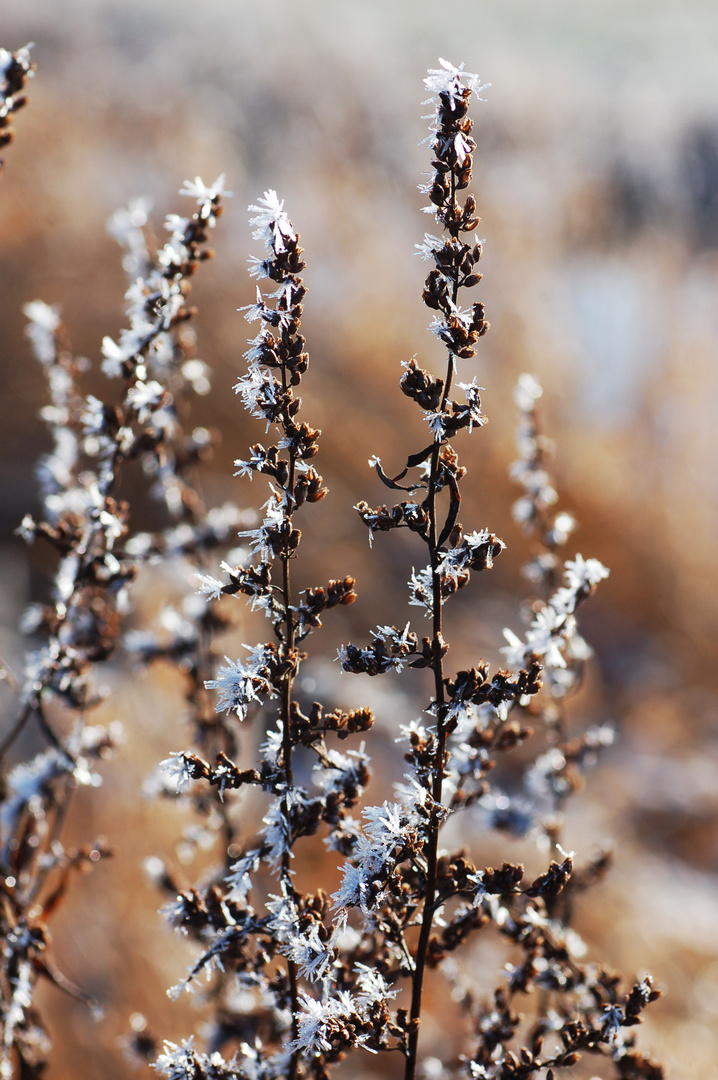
[
  {"x": 271, "y": 224},
  {"x": 197, "y": 189},
  {"x": 205, "y": 194},
  {"x": 21, "y": 57},
  {"x": 453, "y": 82}
]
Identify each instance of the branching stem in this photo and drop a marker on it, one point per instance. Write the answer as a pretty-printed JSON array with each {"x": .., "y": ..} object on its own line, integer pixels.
[
  {"x": 288, "y": 656},
  {"x": 440, "y": 707}
]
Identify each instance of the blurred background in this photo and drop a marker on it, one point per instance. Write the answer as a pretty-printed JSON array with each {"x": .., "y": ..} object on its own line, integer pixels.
[{"x": 596, "y": 176}]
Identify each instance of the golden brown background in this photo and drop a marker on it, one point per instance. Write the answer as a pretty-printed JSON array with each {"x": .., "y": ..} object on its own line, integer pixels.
[{"x": 596, "y": 176}]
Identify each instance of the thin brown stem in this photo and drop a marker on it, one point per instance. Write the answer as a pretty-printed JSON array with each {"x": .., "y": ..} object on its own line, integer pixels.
[
  {"x": 288, "y": 651},
  {"x": 440, "y": 706},
  {"x": 437, "y": 782}
]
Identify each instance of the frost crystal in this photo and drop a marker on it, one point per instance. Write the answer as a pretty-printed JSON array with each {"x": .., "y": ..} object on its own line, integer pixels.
[
  {"x": 271, "y": 224},
  {"x": 210, "y": 586},
  {"x": 452, "y": 81},
  {"x": 239, "y": 684},
  {"x": 553, "y": 635},
  {"x": 177, "y": 770},
  {"x": 44, "y": 321},
  {"x": 205, "y": 194}
]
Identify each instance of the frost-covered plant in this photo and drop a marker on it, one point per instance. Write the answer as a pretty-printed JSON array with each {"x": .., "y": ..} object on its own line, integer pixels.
[
  {"x": 297, "y": 980},
  {"x": 240, "y": 942},
  {"x": 15, "y": 69},
  {"x": 89, "y": 529}
]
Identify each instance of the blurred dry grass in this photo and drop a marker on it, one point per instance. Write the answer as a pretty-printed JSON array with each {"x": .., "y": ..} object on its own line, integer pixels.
[{"x": 597, "y": 178}]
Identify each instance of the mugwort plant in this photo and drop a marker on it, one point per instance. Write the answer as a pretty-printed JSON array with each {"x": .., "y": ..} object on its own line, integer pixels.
[{"x": 300, "y": 973}]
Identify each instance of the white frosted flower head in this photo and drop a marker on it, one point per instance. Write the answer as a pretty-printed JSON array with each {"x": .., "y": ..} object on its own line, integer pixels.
[
  {"x": 271, "y": 224},
  {"x": 114, "y": 357},
  {"x": 93, "y": 415},
  {"x": 514, "y": 651},
  {"x": 436, "y": 423},
  {"x": 239, "y": 877},
  {"x": 411, "y": 794},
  {"x": 44, "y": 322},
  {"x": 317, "y": 1020},
  {"x": 414, "y": 729},
  {"x": 277, "y": 832},
  {"x": 384, "y": 824},
  {"x": 259, "y": 390},
  {"x": 21, "y": 56},
  {"x": 305, "y": 948},
  {"x": 421, "y": 593},
  {"x": 177, "y": 771},
  {"x": 463, "y": 147},
  {"x": 209, "y": 586},
  {"x": 584, "y": 573},
  {"x": 372, "y": 987},
  {"x": 527, "y": 392},
  {"x": 144, "y": 397},
  {"x": 473, "y": 403},
  {"x": 197, "y": 189},
  {"x": 129, "y": 220},
  {"x": 43, "y": 315},
  {"x": 239, "y": 684},
  {"x": 177, "y": 1062},
  {"x": 563, "y": 525},
  {"x": 613, "y": 1018},
  {"x": 427, "y": 250},
  {"x": 453, "y": 81}
]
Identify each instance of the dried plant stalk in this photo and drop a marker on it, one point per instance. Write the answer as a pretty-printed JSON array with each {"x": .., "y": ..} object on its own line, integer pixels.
[
  {"x": 323, "y": 978},
  {"x": 89, "y": 529},
  {"x": 297, "y": 979}
]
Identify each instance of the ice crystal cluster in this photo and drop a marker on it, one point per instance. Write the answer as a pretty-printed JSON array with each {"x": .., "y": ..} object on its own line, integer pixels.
[{"x": 294, "y": 978}]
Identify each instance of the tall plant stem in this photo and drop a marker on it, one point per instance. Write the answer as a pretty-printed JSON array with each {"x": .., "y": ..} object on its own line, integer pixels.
[
  {"x": 437, "y": 781},
  {"x": 287, "y": 729},
  {"x": 440, "y": 706},
  {"x": 438, "y": 771}
]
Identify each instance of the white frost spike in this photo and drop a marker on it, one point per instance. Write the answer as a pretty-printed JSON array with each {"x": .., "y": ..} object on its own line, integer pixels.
[
  {"x": 452, "y": 81},
  {"x": 177, "y": 1062},
  {"x": 305, "y": 948},
  {"x": 372, "y": 986},
  {"x": 528, "y": 391},
  {"x": 582, "y": 573},
  {"x": 271, "y": 224},
  {"x": 239, "y": 877},
  {"x": 318, "y": 1020},
  {"x": 44, "y": 320},
  {"x": 421, "y": 592},
  {"x": 553, "y": 635},
  {"x": 239, "y": 684},
  {"x": 200, "y": 191},
  {"x": 209, "y": 586},
  {"x": 144, "y": 397},
  {"x": 177, "y": 770},
  {"x": 114, "y": 356},
  {"x": 429, "y": 248}
]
